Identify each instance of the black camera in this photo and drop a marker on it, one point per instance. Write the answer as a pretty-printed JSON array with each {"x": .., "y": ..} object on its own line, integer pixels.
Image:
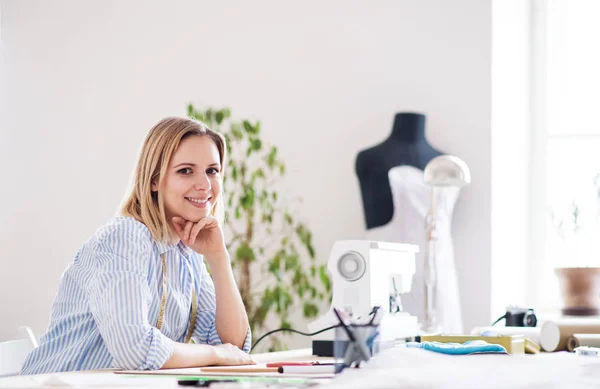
[{"x": 520, "y": 317}]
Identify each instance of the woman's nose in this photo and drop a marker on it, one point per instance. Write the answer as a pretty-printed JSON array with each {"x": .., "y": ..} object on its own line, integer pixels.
[{"x": 202, "y": 183}]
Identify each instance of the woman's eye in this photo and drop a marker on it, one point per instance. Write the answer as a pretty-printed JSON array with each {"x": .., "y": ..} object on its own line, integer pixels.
[
  {"x": 212, "y": 171},
  {"x": 186, "y": 170}
]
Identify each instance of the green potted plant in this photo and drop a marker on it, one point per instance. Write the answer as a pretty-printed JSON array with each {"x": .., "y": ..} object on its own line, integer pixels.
[
  {"x": 272, "y": 250},
  {"x": 578, "y": 245}
]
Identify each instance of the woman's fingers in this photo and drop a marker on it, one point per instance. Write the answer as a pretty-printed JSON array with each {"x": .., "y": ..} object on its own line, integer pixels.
[
  {"x": 228, "y": 354},
  {"x": 186, "y": 232},
  {"x": 196, "y": 229},
  {"x": 211, "y": 222},
  {"x": 204, "y": 224},
  {"x": 248, "y": 360}
]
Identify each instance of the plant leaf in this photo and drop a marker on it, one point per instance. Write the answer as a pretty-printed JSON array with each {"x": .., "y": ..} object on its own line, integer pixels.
[
  {"x": 248, "y": 127},
  {"x": 256, "y": 144},
  {"x": 247, "y": 199},
  {"x": 219, "y": 116},
  {"x": 310, "y": 310},
  {"x": 291, "y": 262},
  {"x": 325, "y": 277},
  {"x": 272, "y": 157},
  {"x": 245, "y": 253},
  {"x": 236, "y": 132},
  {"x": 285, "y": 324}
]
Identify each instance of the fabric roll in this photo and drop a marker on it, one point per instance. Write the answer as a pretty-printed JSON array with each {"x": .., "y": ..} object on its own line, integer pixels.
[
  {"x": 577, "y": 340},
  {"x": 555, "y": 334}
]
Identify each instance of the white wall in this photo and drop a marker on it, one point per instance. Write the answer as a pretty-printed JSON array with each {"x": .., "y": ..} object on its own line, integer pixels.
[
  {"x": 82, "y": 82},
  {"x": 512, "y": 178}
]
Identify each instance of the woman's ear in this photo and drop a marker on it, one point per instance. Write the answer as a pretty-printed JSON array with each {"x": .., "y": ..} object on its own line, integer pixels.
[{"x": 154, "y": 187}]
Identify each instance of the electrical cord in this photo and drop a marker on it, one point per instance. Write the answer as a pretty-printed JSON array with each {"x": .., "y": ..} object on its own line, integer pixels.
[
  {"x": 497, "y": 320},
  {"x": 292, "y": 330},
  {"x": 374, "y": 310}
]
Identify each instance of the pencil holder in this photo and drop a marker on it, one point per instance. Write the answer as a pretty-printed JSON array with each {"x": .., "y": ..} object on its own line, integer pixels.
[{"x": 355, "y": 343}]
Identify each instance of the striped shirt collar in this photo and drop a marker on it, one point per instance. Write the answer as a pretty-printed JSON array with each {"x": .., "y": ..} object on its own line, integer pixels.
[{"x": 164, "y": 247}]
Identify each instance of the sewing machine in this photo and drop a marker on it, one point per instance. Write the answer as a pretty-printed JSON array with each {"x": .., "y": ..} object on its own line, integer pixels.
[{"x": 366, "y": 274}]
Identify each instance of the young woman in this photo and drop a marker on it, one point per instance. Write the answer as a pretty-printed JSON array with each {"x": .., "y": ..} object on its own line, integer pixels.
[{"x": 138, "y": 290}]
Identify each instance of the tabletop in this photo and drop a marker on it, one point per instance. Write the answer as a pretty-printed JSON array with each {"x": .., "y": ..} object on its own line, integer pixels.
[
  {"x": 395, "y": 368},
  {"x": 100, "y": 379}
]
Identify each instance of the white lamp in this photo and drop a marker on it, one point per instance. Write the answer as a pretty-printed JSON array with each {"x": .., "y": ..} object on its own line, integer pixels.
[{"x": 442, "y": 171}]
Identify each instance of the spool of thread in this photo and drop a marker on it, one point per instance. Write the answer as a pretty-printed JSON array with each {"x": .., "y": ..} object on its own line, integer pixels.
[
  {"x": 554, "y": 334},
  {"x": 591, "y": 340},
  {"x": 531, "y": 333}
]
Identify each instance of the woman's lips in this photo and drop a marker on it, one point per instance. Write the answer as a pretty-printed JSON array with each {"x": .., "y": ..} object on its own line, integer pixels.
[{"x": 199, "y": 203}]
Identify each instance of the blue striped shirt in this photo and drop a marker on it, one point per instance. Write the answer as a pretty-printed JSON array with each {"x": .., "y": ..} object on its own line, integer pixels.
[{"x": 106, "y": 309}]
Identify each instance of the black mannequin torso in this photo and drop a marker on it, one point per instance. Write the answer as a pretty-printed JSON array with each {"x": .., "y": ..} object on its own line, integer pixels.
[{"x": 406, "y": 145}]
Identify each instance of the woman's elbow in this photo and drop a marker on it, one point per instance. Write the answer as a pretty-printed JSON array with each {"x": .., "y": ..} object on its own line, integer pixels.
[
  {"x": 148, "y": 352},
  {"x": 129, "y": 359}
]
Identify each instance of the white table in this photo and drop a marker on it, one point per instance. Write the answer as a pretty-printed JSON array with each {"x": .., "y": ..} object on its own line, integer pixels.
[
  {"x": 401, "y": 368},
  {"x": 100, "y": 379},
  {"x": 393, "y": 368}
]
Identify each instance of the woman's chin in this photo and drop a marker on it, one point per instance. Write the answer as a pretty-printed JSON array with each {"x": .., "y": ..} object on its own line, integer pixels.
[{"x": 196, "y": 216}]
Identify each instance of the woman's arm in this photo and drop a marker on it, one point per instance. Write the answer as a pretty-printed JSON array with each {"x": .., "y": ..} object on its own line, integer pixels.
[
  {"x": 119, "y": 296},
  {"x": 190, "y": 355},
  {"x": 220, "y": 305},
  {"x": 194, "y": 355},
  {"x": 231, "y": 318},
  {"x": 229, "y": 312}
]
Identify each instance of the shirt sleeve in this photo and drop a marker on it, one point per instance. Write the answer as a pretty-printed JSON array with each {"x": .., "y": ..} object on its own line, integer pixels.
[
  {"x": 206, "y": 330},
  {"x": 119, "y": 298}
]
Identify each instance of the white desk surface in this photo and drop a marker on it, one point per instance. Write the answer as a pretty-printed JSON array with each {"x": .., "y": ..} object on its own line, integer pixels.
[
  {"x": 393, "y": 368},
  {"x": 99, "y": 379}
]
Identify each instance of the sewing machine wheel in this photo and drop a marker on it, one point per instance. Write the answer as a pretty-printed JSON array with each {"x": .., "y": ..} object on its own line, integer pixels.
[{"x": 351, "y": 266}]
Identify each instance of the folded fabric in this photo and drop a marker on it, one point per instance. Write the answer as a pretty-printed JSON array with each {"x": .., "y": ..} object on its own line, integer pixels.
[{"x": 470, "y": 347}]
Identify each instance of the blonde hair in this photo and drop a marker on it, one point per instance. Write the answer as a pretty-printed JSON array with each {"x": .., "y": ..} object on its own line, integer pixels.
[{"x": 161, "y": 142}]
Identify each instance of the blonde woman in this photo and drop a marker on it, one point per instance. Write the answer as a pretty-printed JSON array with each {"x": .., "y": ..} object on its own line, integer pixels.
[{"x": 138, "y": 290}]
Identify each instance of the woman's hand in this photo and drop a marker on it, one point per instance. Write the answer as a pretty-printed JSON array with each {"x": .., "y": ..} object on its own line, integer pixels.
[
  {"x": 229, "y": 355},
  {"x": 196, "y": 355},
  {"x": 204, "y": 237}
]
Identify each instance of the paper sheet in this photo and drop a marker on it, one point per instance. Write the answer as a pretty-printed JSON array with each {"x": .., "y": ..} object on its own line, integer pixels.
[{"x": 258, "y": 370}]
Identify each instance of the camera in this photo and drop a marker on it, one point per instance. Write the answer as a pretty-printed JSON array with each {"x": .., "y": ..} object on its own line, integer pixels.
[{"x": 520, "y": 317}]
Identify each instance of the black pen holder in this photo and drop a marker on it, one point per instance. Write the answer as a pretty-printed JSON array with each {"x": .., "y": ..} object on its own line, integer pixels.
[{"x": 358, "y": 347}]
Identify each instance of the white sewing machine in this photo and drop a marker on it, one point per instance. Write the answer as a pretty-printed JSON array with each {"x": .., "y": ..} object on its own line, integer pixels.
[{"x": 366, "y": 274}]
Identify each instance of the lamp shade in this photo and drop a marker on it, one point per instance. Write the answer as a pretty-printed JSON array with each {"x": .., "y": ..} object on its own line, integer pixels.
[{"x": 447, "y": 170}]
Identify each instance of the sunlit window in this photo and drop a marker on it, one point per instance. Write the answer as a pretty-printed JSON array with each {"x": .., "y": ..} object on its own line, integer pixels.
[{"x": 572, "y": 136}]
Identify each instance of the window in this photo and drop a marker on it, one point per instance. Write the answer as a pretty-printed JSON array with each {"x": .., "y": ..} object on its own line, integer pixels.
[{"x": 568, "y": 133}]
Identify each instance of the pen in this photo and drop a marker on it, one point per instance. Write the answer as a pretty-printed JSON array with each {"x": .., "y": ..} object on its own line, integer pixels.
[
  {"x": 280, "y": 364},
  {"x": 238, "y": 369},
  {"x": 587, "y": 351},
  {"x": 314, "y": 369},
  {"x": 344, "y": 326},
  {"x": 375, "y": 318}
]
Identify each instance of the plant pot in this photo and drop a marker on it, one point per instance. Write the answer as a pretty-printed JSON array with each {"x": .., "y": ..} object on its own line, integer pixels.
[{"x": 580, "y": 290}]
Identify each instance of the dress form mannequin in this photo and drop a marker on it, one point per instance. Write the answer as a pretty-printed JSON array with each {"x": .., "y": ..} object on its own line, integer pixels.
[
  {"x": 406, "y": 145},
  {"x": 396, "y": 204}
]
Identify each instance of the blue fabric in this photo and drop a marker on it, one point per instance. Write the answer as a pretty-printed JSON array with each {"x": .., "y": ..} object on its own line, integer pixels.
[
  {"x": 470, "y": 347},
  {"x": 108, "y": 301}
]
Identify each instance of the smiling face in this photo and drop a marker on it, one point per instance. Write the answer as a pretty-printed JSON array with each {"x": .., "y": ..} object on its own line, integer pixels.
[{"x": 192, "y": 183}]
